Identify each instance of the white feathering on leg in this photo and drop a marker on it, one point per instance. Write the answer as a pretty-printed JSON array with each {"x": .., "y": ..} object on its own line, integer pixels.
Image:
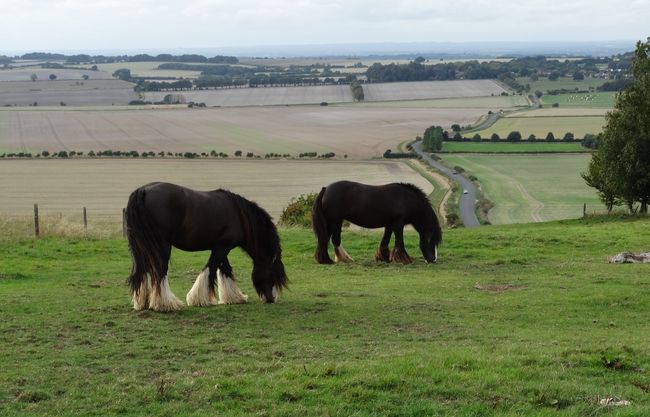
[
  {"x": 165, "y": 300},
  {"x": 229, "y": 293},
  {"x": 342, "y": 255},
  {"x": 141, "y": 300},
  {"x": 275, "y": 293},
  {"x": 201, "y": 295}
]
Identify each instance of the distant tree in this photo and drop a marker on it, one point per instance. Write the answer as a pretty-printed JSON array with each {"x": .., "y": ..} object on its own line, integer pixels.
[
  {"x": 458, "y": 137},
  {"x": 578, "y": 75},
  {"x": 455, "y": 127},
  {"x": 94, "y": 68},
  {"x": 514, "y": 136},
  {"x": 532, "y": 138},
  {"x": 123, "y": 74},
  {"x": 45, "y": 153},
  {"x": 534, "y": 77},
  {"x": 85, "y": 76},
  {"x": 495, "y": 137},
  {"x": 538, "y": 94},
  {"x": 238, "y": 153},
  {"x": 52, "y": 77},
  {"x": 419, "y": 60},
  {"x": 432, "y": 139},
  {"x": 591, "y": 141},
  {"x": 568, "y": 137},
  {"x": 550, "y": 137},
  {"x": 476, "y": 138},
  {"x": 555, "y": 105},
  {"x": 553, "y": 76},
  {"x": 33, "y": 77}
]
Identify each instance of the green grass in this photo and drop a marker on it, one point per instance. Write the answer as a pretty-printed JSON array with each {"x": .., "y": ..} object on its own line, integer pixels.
[
  {"x": 528, "y": 188},
  {"x": 606, "y": 100},
  {"x": 362, "y": 339},
  {"x": 510, "y": 147},
  {"x": 543, "y": 84},
  {"x": 540, "y": 126}
]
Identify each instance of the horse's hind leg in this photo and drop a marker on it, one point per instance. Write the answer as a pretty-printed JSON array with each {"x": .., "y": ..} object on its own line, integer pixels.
[
  {"x": 339, "y": 251},
  {"x": 383, "y": 252},
  {"x": 399, "y": 251},
  {"x": 161, "y": 297},
  {"x": 229, "y": 293},
  {"x": 202, "y": 293}
]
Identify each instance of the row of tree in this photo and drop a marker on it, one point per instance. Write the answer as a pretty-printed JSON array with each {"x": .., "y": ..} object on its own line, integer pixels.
[{"x": 102, "y": 59}]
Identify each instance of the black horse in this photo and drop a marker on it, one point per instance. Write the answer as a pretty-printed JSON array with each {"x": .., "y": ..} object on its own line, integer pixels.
[
  {"x": 161, "y": 215},
  {"x": 391, "y": 206}
]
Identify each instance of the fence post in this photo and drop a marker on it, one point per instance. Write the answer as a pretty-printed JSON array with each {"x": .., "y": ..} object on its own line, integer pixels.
[
  {"x": 123, "y": 222},
  {"x": 85, "y": 220},
  {"x": 36, "y": 228},
  {"x": 584, "y": 210}
]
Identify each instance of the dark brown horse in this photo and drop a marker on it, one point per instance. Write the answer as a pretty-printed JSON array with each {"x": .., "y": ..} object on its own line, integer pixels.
[
  {"x": 161, "y": 215},
  {"x": 391, "y": 206}
]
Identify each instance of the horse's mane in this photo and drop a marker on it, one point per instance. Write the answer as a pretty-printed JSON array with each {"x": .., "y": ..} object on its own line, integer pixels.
[
  {"x": 260, "y": 234},
  {"x": 417, "y": 190}
]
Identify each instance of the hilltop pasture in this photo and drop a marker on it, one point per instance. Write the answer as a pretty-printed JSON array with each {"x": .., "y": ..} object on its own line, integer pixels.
[{"x": 525, "y": 320}]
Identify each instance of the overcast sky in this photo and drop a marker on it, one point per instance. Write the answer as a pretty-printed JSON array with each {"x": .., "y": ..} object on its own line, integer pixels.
[{"x": 129, "y": 25}]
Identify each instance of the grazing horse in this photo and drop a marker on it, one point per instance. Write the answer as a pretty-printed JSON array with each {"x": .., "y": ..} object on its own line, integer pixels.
[
  {"x": 391, "y": 206},
  {"x": 161, "y": 215}
]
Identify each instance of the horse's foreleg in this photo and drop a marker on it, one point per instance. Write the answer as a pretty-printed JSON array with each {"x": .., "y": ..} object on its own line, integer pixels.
[
  {"x": 229, "y": 293},
  {"x": 202, "y": 293},
  {"x": 340, "y": 254},
  {"x": 399, "y": 251},
  {"x": 383, "y": 252}
]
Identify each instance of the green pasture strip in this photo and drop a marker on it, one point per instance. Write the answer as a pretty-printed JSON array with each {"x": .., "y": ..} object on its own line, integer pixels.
[
  {"x": 513, "y": 320},
  {"x": 605, "y": 99},
  {"x": 540, "y": 126},
  {"x": 527, "y": 188},
  {"x": 510, "y": 147},
  {"x": 543, "y": 84}
]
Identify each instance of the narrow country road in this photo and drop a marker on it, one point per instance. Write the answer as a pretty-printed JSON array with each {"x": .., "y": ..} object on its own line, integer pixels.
[{"x": 467, "y": 201}]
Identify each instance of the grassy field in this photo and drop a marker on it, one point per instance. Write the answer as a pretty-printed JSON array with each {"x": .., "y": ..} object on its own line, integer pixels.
[
  {"x": 543, "y": 84},
  {"x": 24, "y": 74},
  {"x": 509, "y": 147},
  {"x": 146, "y": 69},
  {"x": 528, "y": 124},
  {"x": 581, "y": 100},
  {"x": 358, "y": 132},
  {"x": 531, "y": 188},
  {"x": 513, "y": 320},
  {"x": 103, "y": 186}
]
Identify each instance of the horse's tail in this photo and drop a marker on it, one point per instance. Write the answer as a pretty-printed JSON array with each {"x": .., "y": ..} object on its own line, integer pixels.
[
  {"x": 144, "y": 244},
  {"x": 319, "y": 224}
]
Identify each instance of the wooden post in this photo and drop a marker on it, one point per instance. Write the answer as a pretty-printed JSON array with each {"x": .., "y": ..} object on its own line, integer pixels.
[
  {"x": 36, "y": 228},
  {"x": 85, "y": 220},
  {"x": 123, "y": 222},
  {"x": 584, "y": 210}
]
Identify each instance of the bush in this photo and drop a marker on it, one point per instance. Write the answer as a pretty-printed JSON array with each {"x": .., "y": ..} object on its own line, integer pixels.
[
  {"x": 452, "y": 220},
  {"x": 298, "y": 211},
  {"x": 514, "y": 136},
  {"x": 495, "y": 137}
]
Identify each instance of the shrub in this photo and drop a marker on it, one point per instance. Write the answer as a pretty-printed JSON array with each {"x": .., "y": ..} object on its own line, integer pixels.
[
  {"x": 452, "y": 220},
  {"x": 514, "y": 136},
  {"x": 495, "y": 137},
  {"x": 476, "y": 138},
  {"x": 298, "y": 211}
]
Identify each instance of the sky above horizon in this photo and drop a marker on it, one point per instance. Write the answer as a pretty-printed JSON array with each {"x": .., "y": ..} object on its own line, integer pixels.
[{"x": 56, "y": 25}]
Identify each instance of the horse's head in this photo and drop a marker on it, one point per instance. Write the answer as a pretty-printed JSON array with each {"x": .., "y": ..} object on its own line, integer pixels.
[
  {"x": 430, "y": 238},
  {"x": 269, "y": 278}
]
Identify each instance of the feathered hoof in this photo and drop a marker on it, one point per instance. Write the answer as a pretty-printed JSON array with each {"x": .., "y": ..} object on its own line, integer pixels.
[
  {"x": 382, "y": 254},
  {"x": 400, "y": 256},
  {"x": 342, "y": 255}
]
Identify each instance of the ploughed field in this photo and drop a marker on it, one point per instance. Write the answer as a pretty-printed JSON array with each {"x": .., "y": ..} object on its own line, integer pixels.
[{"x": 513, "y": 320}]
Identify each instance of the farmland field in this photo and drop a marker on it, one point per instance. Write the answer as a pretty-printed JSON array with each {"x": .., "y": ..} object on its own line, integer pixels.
[
  {"x": 509, "y": 147},
  {"x": 146, "y": 69},
  {"x": 543, "y": 84},
  {"x": 489, "y": 103},
  {"x": 24, "y": 74},
  {"x": 226, "y": 97},
  {"x": 531, "y": 188},
  {"x": 103, "y": 185},
  {"x": 528, "y": 124},
  {"x": 357, "y": 131},
  {"x": 581, "y": 100},
  {"x": 70, "y": 92},
  {"x": 524, "y": 320}
]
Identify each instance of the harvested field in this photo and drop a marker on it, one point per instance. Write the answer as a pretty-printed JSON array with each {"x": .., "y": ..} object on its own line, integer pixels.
[
  {"x": 147, "y": 69},
  {"x": 103, "y": 185},
  {"x": 431, "y": 89},
  {"x": 358, "y": 132},
  {"x": 338, "y": 93},
  {"x": 264, "y": 96},
  {"x": 24, "y": 74},
  {"x": 488, "y": 103},
  {"x": 75, "y": 93}
]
